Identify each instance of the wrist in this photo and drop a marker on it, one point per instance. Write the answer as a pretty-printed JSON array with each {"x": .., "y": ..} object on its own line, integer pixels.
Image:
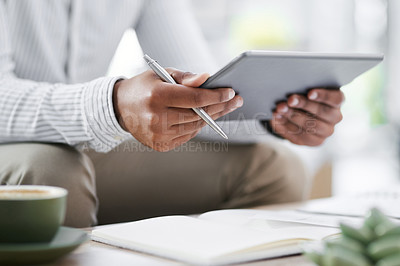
[{"x": 115, "y": 98}]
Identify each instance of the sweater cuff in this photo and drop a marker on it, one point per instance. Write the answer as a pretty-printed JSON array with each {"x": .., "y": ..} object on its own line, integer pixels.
[{"x": 101, "y": 123}]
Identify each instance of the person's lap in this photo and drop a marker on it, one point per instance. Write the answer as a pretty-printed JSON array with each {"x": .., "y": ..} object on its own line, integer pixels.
[{"x": 133, "y": 182}]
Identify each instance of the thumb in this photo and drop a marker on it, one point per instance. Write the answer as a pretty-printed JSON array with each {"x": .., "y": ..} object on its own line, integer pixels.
[
  {"x": 188, "y": 78},
  {"x": 195, "y": 80}
]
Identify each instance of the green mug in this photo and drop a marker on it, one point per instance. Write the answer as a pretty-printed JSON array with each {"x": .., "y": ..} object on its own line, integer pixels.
[{"x": 31, "y": 213}]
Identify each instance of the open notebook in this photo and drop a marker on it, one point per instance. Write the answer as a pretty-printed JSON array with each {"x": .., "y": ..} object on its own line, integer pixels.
[{"x": 214, "y": 238}]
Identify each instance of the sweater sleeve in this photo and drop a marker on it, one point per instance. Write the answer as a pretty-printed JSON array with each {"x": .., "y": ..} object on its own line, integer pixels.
[{"x": 76, "y": 114}]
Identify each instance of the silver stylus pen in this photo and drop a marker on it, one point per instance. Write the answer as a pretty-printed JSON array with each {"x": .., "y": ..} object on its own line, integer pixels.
[{"x": 165, "y": 76}]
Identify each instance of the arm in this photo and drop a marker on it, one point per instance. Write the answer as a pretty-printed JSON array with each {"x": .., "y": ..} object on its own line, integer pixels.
[
  {"x": 84, "y": 113},
  {"x": 44, "y": 112}
]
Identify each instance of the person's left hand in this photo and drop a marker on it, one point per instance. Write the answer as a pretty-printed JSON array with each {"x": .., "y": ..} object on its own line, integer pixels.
[{"x": 308, "y": 120}]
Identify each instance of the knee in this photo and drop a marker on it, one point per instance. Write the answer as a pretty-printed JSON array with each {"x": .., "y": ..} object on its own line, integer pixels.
[
  {"x": 62, "y": 166},
  {"x": 291, "y": 179},
  {"x": 265, "y": 173},
  {"x": 57, "y": 165}
]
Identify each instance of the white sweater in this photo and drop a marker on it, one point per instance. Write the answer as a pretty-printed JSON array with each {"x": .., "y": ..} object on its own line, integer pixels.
[{"x": 54, "y": 55}]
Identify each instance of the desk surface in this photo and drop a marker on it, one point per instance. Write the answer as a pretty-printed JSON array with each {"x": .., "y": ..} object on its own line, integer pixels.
[{"x": 96, "y": 254}]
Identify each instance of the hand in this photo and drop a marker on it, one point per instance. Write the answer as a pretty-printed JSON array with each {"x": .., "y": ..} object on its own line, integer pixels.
[
  {"x": 308, "y": 120},
  {"x": 159, "y": 114}
]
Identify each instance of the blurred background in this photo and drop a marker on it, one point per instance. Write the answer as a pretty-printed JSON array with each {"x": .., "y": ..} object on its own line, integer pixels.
[{"x": 363, "y": 154}]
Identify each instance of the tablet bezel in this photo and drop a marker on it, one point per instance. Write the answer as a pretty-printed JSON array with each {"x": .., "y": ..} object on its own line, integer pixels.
[{"x": 288, "y": 54}]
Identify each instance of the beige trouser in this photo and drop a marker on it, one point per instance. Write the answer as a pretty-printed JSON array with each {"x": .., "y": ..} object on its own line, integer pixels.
[{"x": 131, "y": 182}]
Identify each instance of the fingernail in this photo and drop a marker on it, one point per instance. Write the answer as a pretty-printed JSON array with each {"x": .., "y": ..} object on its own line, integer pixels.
[
  {"x": 294, "y": 101},
  {"x": 278, "y": 116},
  {"x": 313, "y": 95},
  {"x": 239, "y": 103},
  {"x": 283, "y": 109},
  {"x": 231, "y": 94}
]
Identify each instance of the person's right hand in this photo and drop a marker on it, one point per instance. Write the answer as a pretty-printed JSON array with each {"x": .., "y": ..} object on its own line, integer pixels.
[{"x": 159, "y": 114}]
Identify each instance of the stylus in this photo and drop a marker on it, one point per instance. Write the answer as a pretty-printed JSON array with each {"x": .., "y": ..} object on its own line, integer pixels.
[{"x": 163, "y": 74}]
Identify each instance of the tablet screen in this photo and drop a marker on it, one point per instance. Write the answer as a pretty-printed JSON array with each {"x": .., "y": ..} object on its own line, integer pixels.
[{"x": 264, "y": 78}]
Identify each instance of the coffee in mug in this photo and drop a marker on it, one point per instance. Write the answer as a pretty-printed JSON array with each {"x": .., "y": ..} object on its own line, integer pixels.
[{"x": 31, "y": 213}]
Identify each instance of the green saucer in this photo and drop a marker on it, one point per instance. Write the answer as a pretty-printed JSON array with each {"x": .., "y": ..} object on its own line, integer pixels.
[{"x": 66, "y": 240}]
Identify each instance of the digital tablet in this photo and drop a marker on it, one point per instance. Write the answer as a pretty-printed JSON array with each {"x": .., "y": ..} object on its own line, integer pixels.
[{"x": 264, "y": 78}]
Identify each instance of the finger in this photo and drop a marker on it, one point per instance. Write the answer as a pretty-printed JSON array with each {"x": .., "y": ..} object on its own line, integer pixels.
[
  {"x": 322, "y": 111},
  {"x": 168, "y": 142},
  {"x": 229, "y": 106},
  {"x": 182, "y": 139},
  {"x": 187, "y": 97},
  {"x": 282, "y": 126},
  {"x": 188, "y": 78},
  {"x": 186, "y": 128},
  {"x": 333, "y": 98},
  {"x": 183, "y": 115},
  {"x": 281, "y": 108},
  {"x": 222, "y": 113},
  {"x": 309, "y": 123},
  {"x": 292, "y": 132}
]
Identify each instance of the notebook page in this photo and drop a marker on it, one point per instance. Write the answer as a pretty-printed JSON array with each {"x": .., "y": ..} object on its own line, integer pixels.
[
  {"x": 264, "y": 219},
  {"x": 193, "y": 240}
]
